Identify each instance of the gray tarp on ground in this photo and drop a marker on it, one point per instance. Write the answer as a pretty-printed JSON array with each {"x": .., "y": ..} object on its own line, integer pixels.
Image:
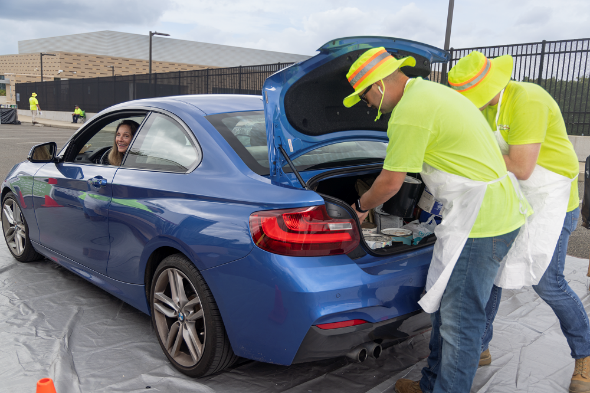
[
  {"x": 55, "y": 324},
  {"x": 7, "y": 116}
]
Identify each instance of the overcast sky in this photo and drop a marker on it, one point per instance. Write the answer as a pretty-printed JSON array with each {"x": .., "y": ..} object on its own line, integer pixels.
[{"x": 299, "y": 26}]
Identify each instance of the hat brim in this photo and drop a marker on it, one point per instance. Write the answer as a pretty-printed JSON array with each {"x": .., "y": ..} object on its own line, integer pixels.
[
  {"x": 497, "y": 79},
  {"x": 377, "y": 75}
]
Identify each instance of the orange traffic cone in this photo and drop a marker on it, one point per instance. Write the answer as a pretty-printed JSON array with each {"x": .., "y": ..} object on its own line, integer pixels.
[{"x": 45, "y": 385}]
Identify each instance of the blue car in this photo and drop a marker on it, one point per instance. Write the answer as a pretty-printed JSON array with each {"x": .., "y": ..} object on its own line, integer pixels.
[{"x": 229, "y": 219}]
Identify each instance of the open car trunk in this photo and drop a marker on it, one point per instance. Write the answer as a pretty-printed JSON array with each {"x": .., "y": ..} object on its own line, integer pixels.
[{"x": 341, "y": 188}]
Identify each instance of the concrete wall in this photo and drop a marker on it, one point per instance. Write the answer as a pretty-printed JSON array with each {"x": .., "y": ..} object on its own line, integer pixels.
[
  {"x": 581, "y": 146},
  {"x": 57, "y": 116}
]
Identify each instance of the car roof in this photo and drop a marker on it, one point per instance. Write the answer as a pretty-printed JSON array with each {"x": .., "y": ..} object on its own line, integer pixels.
[{"x": 209, "y": 104}]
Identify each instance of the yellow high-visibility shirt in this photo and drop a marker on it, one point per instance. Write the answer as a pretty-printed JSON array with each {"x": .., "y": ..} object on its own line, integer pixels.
[
  {"x": 78, "y": 111},
  {"x": 434, "y": 124},
  {"x": 528, "y": 114},
  {"x": 33, "y": 102}
]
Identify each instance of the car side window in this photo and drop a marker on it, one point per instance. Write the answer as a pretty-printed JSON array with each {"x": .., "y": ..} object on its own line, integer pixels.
[
  {"x": 99, "y": 140},
  {"x": 163, "y": 145}
]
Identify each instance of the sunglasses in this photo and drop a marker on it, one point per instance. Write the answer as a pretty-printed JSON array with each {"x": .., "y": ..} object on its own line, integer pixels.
[{"x": 363, "y": 96}]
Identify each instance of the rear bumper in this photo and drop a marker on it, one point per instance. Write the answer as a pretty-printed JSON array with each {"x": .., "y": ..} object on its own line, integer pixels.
[
  {"x": 269, "y": 303},
  {"x": 321, "y": 344}
]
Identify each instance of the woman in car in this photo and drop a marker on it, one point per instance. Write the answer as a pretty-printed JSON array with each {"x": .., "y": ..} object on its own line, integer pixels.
[{"x": 123, "y": 137}]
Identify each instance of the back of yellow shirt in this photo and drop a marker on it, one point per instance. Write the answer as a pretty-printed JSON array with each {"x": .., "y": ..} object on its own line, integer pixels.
[
  {"x": 33, "y": 103},
  {"x": 528, "y": 114},
  {"x": 434, "y": 124}
]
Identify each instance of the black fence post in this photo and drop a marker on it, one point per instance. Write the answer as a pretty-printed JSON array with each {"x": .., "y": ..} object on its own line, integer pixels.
[
  {"x": 207, "y": 82},
  {"x": 541, "y": 63},
  {"x": 240, "y": 80}
]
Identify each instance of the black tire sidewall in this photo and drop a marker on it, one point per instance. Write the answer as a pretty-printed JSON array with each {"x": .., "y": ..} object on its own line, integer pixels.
[{"x": 212, "y": 329}]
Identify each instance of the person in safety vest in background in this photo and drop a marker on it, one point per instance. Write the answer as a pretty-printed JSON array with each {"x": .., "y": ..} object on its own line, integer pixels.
[
  {"x": 439, "y": 133},
  {"x": 34, "y": 106},
  {"x": 532, "y": 136},
  {"x": 77, "y": 113}
]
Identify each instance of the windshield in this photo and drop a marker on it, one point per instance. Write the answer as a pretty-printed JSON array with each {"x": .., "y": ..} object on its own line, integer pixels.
[{"x": 246, "y": 134}]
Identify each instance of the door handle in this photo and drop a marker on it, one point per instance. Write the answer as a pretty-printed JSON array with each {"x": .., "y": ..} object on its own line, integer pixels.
[{"x": 98, "y": 181}]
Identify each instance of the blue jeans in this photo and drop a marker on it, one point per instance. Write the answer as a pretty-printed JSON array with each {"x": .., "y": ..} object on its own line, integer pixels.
[
  {"x": 75, "y": 118},
  {"x": 555, "y": 291},
  {"x": 457, "y": 327}
]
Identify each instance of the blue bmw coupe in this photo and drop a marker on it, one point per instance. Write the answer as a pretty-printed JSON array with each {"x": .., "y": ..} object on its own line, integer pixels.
[{"x": 229, "y": 220}]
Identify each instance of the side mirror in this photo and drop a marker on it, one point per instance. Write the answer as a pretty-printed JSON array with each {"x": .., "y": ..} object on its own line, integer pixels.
[{"x": 44, "y": 152}]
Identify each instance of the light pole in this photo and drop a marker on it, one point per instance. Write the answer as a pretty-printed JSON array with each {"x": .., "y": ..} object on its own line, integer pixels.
[
  {"x": 448, "y": 38},
  {"x": 112, "y": 68},
  {"x": 44, "y": 54},
  {"x": 151, "y": 35}
]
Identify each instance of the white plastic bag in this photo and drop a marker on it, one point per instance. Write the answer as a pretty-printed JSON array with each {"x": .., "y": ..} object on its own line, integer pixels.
[{"x": 421, "y": 229}]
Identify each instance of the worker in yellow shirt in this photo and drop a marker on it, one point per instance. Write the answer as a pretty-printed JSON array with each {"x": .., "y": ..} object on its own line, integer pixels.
[
  {"x": 439, "y": 133},
  {"x": 34, "y": 106},
  {"x": 77, "y": 113},
  {"x": 532, "y": 136}
]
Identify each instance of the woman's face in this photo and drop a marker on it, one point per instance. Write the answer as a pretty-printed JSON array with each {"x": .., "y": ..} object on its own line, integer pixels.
[{"x": 123, "y": 138}]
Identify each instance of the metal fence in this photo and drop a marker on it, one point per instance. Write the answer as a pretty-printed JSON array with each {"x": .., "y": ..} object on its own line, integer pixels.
[
  {"x": 560, "y": 67},
  {"x": 96, "y": 94}
]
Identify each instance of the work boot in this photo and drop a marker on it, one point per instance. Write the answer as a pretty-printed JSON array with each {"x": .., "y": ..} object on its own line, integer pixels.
[
  {"x": 407, "y": 386},
  {"x": 581, "y": 378},
  {"x": 485, "y": 358}
]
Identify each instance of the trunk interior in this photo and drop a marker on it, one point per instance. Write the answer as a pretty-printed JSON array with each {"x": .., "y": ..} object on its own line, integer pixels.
[{"x": 342, "y": 188}]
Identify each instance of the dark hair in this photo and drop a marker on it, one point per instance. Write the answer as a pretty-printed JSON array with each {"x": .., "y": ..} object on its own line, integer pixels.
[{"x": 115, "y": 158}]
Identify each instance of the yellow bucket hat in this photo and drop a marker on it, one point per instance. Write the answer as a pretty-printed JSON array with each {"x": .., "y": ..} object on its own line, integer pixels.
[
  {"x": 373, "y": 65},
  {"x": 34, "y": 94},
  {"x": 479, "y": 78}
]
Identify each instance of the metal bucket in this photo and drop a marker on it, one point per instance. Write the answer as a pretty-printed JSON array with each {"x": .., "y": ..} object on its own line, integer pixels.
[{"x": 402, "y": 204}]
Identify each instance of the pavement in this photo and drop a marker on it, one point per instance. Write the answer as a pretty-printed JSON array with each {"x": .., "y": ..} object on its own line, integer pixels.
[
  {"x": 50, "y": 123},
  {"x": 16, "y": 142}
]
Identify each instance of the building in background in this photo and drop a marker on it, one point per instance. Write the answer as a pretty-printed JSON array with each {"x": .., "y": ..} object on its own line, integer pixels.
[
  {"x": 106, "y": 53},
  {"x": 90, "y": 55}
]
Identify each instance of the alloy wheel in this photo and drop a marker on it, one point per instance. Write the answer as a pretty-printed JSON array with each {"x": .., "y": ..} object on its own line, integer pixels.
[
  {"x": 179, "y": 317},
  {"x": 14, "y": 227}
]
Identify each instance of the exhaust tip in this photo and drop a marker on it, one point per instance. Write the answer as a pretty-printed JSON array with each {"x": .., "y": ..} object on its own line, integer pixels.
[
  {"x": 362, "y": 356},
  {"x": 377, "y": 351},
  {"x": 358, "y": 355}
]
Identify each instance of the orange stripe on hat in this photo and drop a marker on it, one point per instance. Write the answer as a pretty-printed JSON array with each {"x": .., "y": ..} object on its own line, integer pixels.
[
  {"x": 362, "y": 66},
  {"x": 369, "y": 72},
  {"x": 476, "y": 80}
]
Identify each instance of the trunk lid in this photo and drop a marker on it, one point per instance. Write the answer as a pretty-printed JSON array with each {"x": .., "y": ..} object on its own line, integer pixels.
[{"x": 303, "y": 103}]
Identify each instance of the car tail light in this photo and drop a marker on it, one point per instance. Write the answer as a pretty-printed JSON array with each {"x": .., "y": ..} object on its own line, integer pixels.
[
  {"x": 338, "y": 325},
  {"x": 303, "y": 232}
]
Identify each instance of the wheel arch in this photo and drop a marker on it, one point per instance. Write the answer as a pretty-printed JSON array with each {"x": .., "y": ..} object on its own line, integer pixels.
[
  {"x": 153, "y": 260},
  {"x": 5, "y": 191}
]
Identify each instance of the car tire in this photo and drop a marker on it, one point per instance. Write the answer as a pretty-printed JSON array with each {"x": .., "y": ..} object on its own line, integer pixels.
[
  {"x": 187, "y": 322},
  {"x": 16, "y": 231}
]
